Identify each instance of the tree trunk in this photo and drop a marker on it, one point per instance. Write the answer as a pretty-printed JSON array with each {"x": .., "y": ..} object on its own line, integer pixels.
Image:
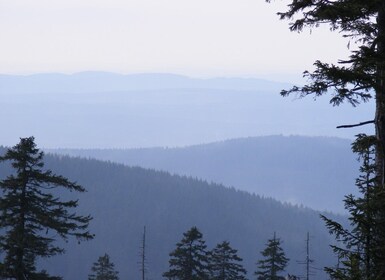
[
  {"x": 379, "y": 258},
  {"x": 380, "y": 96},
  {"x": 20, "y": 266}
]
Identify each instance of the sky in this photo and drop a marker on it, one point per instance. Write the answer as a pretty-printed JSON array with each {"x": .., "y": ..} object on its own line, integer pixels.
[{"x": 197, "y": 38}]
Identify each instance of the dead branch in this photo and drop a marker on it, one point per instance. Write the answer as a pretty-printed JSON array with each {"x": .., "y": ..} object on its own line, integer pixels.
[{"x": 354, "y": 125}]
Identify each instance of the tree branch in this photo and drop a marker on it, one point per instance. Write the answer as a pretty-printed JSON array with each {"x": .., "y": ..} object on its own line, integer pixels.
[{"x": 354, "y": 125}]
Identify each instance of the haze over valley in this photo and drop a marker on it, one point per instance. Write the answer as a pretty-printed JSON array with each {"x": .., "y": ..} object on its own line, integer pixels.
[
  {"x": 295, "y": 169},
  {"x": 105, "y": 110},
  {"x": 228, "y": 155},
  {"x": 124, "y": 199},
  {"x": 149, "y": 139}
]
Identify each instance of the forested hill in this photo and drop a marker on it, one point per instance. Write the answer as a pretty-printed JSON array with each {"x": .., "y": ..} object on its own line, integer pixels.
[
  {"x": 303, "y": 170},
  {"x": 124, "y": 199}
]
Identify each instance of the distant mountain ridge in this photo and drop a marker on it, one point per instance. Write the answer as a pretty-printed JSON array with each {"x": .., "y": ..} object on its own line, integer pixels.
[
  {"x": 124, "y": 199},
  {"x": 106, "y": 110},
  {"x": 296, "y": 169},
  {"x": 107, "y": 82}
]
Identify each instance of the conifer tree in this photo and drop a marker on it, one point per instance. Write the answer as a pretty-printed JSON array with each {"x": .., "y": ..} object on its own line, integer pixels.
[
  {"x": 355, "y": 79},
  {"x": 225, "y": 263},
  {"x": 274, "y": 261},
  {"x": 189, "y": 261},
  {"x": 31, "y": 216},
  {"x": 359, "y": 249},
  {"x": 352, "y": 79},
  {"x": 103, "y": 269}
]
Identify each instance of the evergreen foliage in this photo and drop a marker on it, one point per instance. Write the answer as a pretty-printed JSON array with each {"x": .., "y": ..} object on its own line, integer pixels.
[
  {"x": 274, "y": 261},
  {"x": 360, "y": 246},
  {"x": 31, "y": 217},
  {"x": 103, "y": 269},
  {"x": 354, "y": 80},
  {"x": 189, "y": 261},
  {"x": 225, "y": 263}
]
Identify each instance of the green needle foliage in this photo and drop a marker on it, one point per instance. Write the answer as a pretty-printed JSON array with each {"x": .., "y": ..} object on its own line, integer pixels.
[
  {"x": 189, "y": 261},
  {"x": 225, "y": 263},
  {"x": 274, "y": 261},
  {"x": 31, "y": 216},
  {"x": 103, "y": 269}
]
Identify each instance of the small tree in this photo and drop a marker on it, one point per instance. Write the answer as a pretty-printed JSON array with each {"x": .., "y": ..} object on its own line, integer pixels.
[
  {"x": 103, "y": 269},
  {"x": 225, "y": 263},
  {"x": 189, "y": 260},
  {"x": 274, "y": 261},
  {"x": 31, "y": 216}
]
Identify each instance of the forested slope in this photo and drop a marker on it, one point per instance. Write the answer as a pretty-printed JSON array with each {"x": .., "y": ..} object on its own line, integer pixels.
[
  {"x": 124, "y": 199},
  {"x": 303, "y": 170}
]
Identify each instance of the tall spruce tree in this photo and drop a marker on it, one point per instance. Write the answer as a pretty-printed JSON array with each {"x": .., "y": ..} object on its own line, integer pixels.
[
  {"x": 103, "y": 269},
  {"x": 189, "y": 261},
  {"x": 31, "y": 216},
  {"x": 355, "y": 79},
  {"x": 225, "y": 264},
  {"x": 274, "y": 261},
  {"x": 358, "y": 249}
]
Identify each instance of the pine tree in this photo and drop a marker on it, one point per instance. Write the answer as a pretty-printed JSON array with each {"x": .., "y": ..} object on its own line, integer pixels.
[
  {"x": 355, "y": 79},
  {"x": 103, "y": 269},
  {"x": 358, "y": 249},
  {"x": 274, "y": 261},
  {"x": 31, "y": 216},
  {"x": 189, "y": 260},
  {"x": 225, "y": 263}
]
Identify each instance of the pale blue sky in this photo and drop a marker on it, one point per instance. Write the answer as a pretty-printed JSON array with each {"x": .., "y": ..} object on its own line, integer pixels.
[{"x": 199, "y": 38}]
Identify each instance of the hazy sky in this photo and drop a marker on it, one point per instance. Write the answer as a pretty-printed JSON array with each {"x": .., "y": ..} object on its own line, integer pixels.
[{"x": 193, "y": 37}]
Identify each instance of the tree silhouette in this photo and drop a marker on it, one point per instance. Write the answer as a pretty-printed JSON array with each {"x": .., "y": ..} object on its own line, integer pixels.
[
  {"x": 355, "y": 79},
  {"x": 189, "y": 260},
  {"x": 31, "y": 216},
  {"x": 103, "y": 269},
  {"x": 274, "y": 261},
  {"x": 358, "y": 247},
  {"x": 225, "y": 263}
]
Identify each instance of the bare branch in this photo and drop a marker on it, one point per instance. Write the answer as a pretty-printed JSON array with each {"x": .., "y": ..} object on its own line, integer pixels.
[{"x": 354, "y": 125}]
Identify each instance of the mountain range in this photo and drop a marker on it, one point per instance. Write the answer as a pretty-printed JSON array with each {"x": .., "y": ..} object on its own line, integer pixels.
[
  {"x": 295, "y": 169},
  {"x": 106, "y": 110},
  {"x": 124, "y": 199}
]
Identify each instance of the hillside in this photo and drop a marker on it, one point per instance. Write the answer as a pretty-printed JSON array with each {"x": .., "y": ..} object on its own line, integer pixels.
[
  {"x": 106, "y": 110},
  {"x": 296, "y": 169},
  {"x": 123, "y": 199}
]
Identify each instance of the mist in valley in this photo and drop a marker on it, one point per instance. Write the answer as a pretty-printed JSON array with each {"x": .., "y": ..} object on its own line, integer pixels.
[{"x": 145, "y": 140}]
